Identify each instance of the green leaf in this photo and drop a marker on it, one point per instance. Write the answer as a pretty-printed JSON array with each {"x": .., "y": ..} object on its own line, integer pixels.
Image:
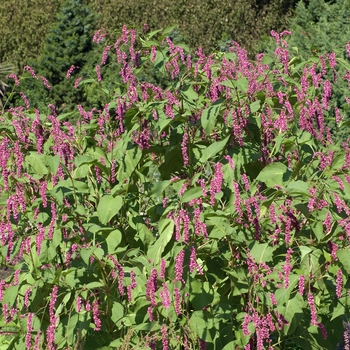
[
  {"x": 339, "y": 310},
  {"x": 108, "y": 207},
  {"x": 117, "y": 312},
  {"x": 201, "y": 294},
  {"x": 94, "y": 284},
  {"x": 113, "y": 240},
  {"x": 158, "y": 188},
  {"x": 53, "y": 162},
  {"x": 273, "y": 174},
  {"x": 36, "y": 161},
  {"x": 192, "y": 193},
  {"x": 304, "y": 252},
  {"x": 298, "y": 187},
  {"x": 209, "y": 115},
  {"x": 222, "y": 227},
  {"x": 283, "y": 295},
  {"x": 71, "y": 329},
  {"x": 166, "y": 231},
  {"x": 85, "y": 255},
  {"x": 214, "y": 149},
  {"x": 228, "y": 83},
  {"x": 318, "y": 230},
  {"x": 344, "y": 258},
  {"x": 262, "y": 252},
  {"x": 200, "y": 325},
  {"x": 79, "y": 160},
  {"x": 188, "y": 93},
  {"x": 254, "y": 107},
  {"x": 128, "y": 164},
  {"x": 267, "y": 59},
  {"x": 292, "y": 312},
  {"x": 242, "y": 84},
  {"x": 86, "y": 81}
]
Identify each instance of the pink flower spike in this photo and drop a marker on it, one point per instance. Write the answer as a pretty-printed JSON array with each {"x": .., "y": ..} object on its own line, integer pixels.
[
  {"x": 98, "y": 72},
  {"x": 310, "y": 299},
  {"x": 31, "y": 71},
  {"x": 46, "y": 83},
  {"x": 339, "y": 285},
  {"x": 105, "y": 55},
  {"x": 70, "y": 70},
  {"x": 76, "y": 84},
  {"x": 348, "y": 48},
  {"x": 98, "y": 36},
  {"x": 14, "y": 77},
  {"x": 179, "y": 260}
]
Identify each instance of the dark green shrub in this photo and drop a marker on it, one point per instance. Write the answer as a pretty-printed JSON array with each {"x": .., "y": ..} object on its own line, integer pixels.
[
  {"x": 67, "y": 44},
  {"x": 316, "y": 28}
]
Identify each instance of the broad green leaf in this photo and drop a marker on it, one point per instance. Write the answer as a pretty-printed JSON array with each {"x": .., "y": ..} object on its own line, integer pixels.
[
  {"x": 94, "y": 284},
  {"x": 304, "y": 252},
  {"x": 108, "y": 207},
  {"x": 242, "y": 84},
  {"x": 283, "y": 294},
  {"x": 262, "y": 252},
  {"x": 318, "y": 230},
  {"x": 201, "y": 294},
  {"x": 99, "y": 253},
  {"x": 129, "y": 163},
  {"x": 81, "y": 172},
  {"x": 63, "y": 303},
  {"x": 209, "y": 115},
  {"x": 228, "y": 83},
  {"x": 338, "y": 162},
  {"x": 221, "y": 228},
  {"x": 36, "y": 161},
  {"x": 158, "y": 188},
  {"x": 85, "y": 255},
  {"x": 144, "y": 233},
  {"x": 267, "y": 59},
  {"x": 166, "y": 231},
  {"x": 81, "y": 186},
  {"x": 117, "y": 312},
  {"x": 214, "y": 149},
  {"x": 339, "y": 310},
  {"x": 344, "y": 258},
  {"x": 293, "y": 312},
  {"x": 273, "y": 174},
  {"x": 255, "y": 106},
  {"x": 298, "y": 187},
  {"x": 53, "y": 162},
  {"x": 168, "y": 30},
  {"x": 192, "y": 193},
  {"x": 200, "y": 325},
  {"x": 113, "y": 240},
  {"x": 79, "y": 160},
  {"x": 189, "y": 93},
  {"x": 71, "y": 327},
  {"x": 9, "y": 295},
  {"x": 232, "y": 345}
]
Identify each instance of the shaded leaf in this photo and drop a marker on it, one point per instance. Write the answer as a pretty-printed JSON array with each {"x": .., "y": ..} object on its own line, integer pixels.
[{"x": 108, "y": 207}]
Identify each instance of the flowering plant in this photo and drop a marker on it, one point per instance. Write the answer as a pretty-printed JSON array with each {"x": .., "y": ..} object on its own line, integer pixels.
[{"x": 209, "y": 214}]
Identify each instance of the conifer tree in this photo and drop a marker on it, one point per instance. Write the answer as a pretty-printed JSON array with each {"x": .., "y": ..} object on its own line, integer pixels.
[{"x": 68, "y": 43}]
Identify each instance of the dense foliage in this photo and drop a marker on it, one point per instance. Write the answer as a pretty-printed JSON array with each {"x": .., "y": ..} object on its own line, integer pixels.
[
  {"x": 213, "y": 213},
  {"x": 202, "y": 23},
  {"x": 315, "y": 28},
  {"x": 23, "y": 27}
]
